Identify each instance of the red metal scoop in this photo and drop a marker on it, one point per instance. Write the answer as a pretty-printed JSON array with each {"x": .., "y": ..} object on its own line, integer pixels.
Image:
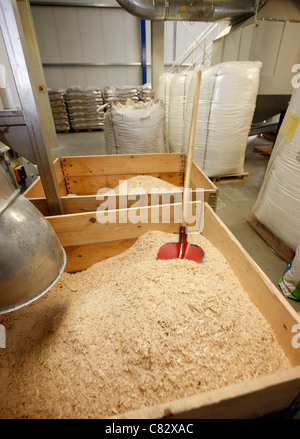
[{"x": 182, "y": 249}]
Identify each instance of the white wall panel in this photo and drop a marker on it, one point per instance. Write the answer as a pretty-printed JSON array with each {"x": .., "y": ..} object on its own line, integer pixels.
[
  {"x": 55, "y": 77},
  {"x": 132, "y": 33},
  {"x": 116, "y": 76},
  {"x": 67, "y": 28},
  {"x": 114, "y": 36},
  {"x": 45, "y": 27},
  {"x": 134, "y": 76},
  {"x": 95, "y": 76},
  {"x": 74, "y": 76},
  {"x": 91, "y": 34}
]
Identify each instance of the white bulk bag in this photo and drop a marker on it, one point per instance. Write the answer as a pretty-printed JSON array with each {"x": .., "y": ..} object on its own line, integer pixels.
[
  {"x": 163, "y": 88},
  {"x": 135, "y": 128},
  {"x": 179, "y": 88},
  {"x": 225, "y": 112},
  {"x": 278, "y": 203},
  {"x": 163, "y": 94}
]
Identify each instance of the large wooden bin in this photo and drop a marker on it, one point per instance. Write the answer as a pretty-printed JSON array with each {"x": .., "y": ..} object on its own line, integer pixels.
[
  {"x": 83, "y": 237},
  {"x": 87, "y": 241},
  {"x": 80, "y": 178}
]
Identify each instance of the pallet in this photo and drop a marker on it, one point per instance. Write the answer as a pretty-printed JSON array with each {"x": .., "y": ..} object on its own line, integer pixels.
[
  {"x": 230, "y": 177},
  {"x": 62, "y": 131},
  {"x": 87, "y": 130},
  {"x": 279, "y": 247},
  {"x": 265, "y": 150},
  {"x": 270, "y": 136}
]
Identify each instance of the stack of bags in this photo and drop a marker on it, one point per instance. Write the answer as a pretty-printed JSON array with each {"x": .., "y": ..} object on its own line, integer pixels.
[
  {"x": 120, "y": 94},
  {"x": 145, "y": 92},
  {"x": 85, "y": 107},
  {"x": 59, "y": 110}
]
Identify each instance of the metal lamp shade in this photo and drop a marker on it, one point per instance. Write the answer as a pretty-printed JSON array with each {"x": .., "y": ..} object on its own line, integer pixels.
[{"x": 31, "y": 256}]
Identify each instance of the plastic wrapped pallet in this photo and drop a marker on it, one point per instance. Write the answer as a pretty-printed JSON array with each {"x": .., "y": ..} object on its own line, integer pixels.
[
  {"x": 145, "y": 92},
  {"x": 59, "y": 110},
  {"x": 85, "y": 107},
  {"x": 179, "y": 87},
  {"x": 277, "y": 207},
  {"x": 135, "y": 128},
  {"x": 226, "y": 107},
  {"x": 120, "y": 94}
]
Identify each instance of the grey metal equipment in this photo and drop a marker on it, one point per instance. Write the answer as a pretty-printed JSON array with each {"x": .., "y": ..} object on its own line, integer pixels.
[
  {"x": 30, "y": 130},
  {"x": 31, "y": 256},
  {"x": 229, "y": 11}
]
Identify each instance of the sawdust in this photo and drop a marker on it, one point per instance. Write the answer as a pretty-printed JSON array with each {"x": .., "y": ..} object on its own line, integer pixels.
[
  {"x": 148, "y": 183},
  {"x": 131, "y": 332}
]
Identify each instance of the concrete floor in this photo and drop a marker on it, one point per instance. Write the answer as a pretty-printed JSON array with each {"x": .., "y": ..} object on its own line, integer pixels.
[{"x": 235, "y": 199}]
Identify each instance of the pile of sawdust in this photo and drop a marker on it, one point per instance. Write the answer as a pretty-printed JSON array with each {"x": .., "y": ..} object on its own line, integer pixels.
[
  {"x": 148, "y": 183},
  {"x": 130, "y": 332}
]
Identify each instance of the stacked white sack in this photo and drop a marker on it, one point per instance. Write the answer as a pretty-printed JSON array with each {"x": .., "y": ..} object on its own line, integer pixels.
[
  {"x": 225, "y": 112},
  {"x": 163, "y": 94},
  {"x": 278, "y": 202},
  {"x": 179, "y": 88},
  {"x": 135, "y": 128}
]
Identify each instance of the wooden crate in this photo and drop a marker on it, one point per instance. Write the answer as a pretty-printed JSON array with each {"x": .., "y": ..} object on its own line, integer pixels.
[
  {"x": 80, "y": 178},
  {"x": 87, "y": 241}
]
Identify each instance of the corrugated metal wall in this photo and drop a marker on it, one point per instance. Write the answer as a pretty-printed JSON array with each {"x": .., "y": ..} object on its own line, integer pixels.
[
  {"x": 109, "y": 37},
  {"x": 98, "y": 46},
  {"x": 71, "y": 35}
]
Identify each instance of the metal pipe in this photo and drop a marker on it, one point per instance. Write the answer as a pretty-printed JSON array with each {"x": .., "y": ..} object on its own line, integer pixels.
[{"x": 227, "y": 11}]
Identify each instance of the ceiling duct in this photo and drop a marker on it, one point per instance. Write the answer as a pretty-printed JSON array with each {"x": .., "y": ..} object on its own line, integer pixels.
[{"x": 227, "y": 11}]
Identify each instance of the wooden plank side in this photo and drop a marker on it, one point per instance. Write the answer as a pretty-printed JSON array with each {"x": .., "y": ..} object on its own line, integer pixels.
[
  {"x": 90, "y": 203},
  {"x": 273, "y": 306},
  {"x": 90, "y": 185},
  {"x": 42, "y": 205},
  {"x": 84, "y": 256},
  {"x": 84, "y": 228},
  {"x": 60, "y": 177},
  {"x": 36, "y": 190},
  {"x": 251, "y": 399},
  {"x": 126, "y": 164},
  {"x": 200, "y": 180}
]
